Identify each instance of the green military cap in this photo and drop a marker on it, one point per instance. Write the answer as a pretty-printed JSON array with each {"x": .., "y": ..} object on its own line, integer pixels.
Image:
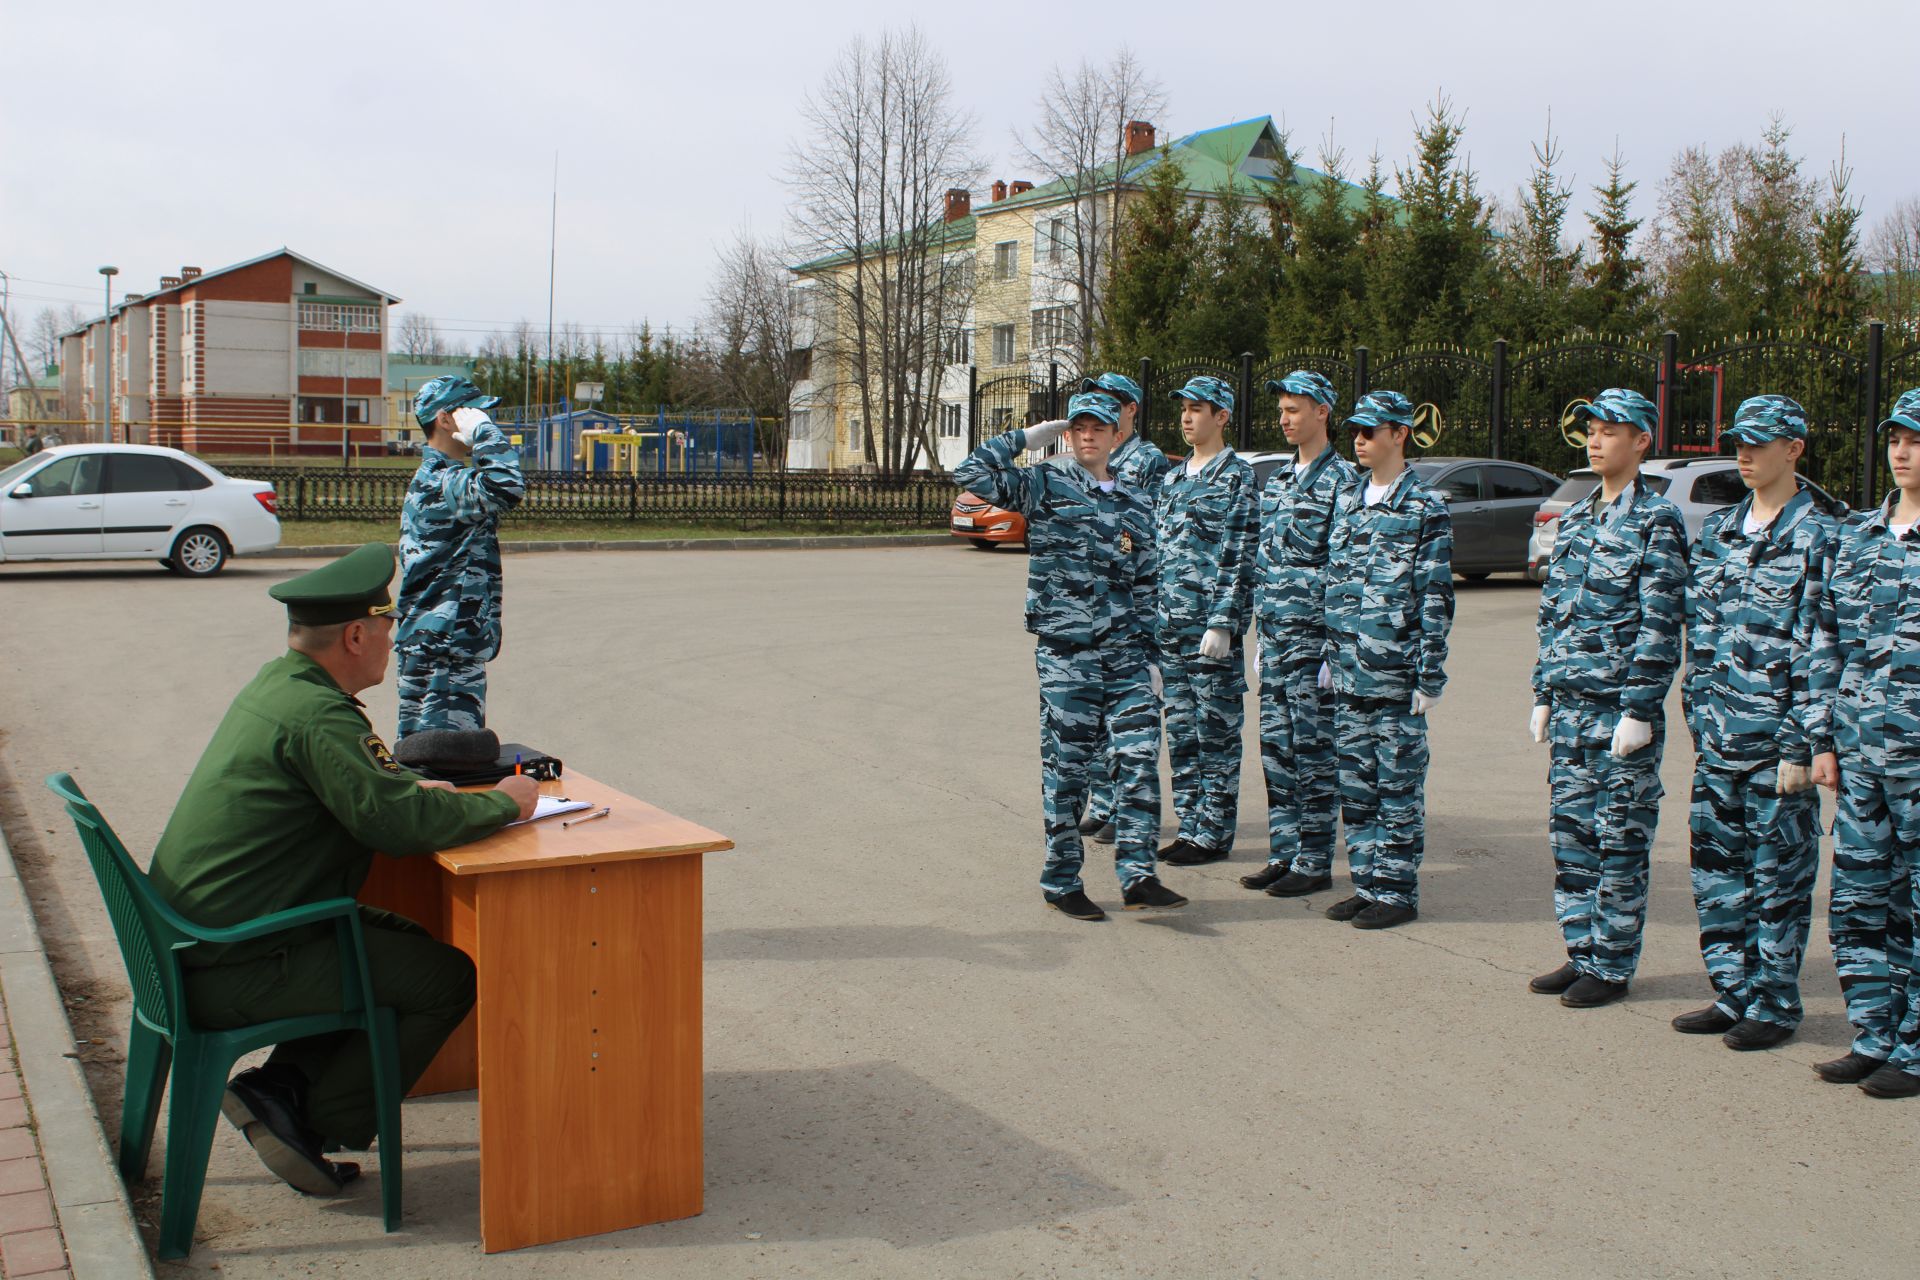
[{"x": 354, "y": 586}]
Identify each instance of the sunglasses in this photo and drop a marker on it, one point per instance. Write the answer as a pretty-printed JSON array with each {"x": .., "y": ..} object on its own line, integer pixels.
[{"x": 1366, "y": 433}]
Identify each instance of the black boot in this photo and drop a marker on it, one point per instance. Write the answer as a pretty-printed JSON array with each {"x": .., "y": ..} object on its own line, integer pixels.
[
  {"x": 1709, "y": 1021},
  {"x": 1075, "y": 905},
  {"x": 1297, "y": 884},
  {"x": 1193, "y": 855},
  {"x": 1851, "y": 1069},
  {"x": 1552, "y": 984},
  {"x": 1347, "y": 908},
  {"x": 1265, "y": 876},
  {"x": 1142, "y": 894},
  {"x": 1590, "y": 993},
  {"x": 1748, "y": 1034},
  {"x": 1891, "y": 1082}
]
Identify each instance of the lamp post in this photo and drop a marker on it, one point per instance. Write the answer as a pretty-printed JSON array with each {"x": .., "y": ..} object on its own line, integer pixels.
[{"x": 106, "y": 400}]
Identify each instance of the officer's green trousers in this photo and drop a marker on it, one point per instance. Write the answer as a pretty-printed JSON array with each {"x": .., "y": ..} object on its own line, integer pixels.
[{"x": 427, "y": 984}]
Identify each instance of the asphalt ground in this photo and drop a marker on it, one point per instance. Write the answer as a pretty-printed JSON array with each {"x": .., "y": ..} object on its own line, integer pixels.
[{"x": 913, "y": 1068}]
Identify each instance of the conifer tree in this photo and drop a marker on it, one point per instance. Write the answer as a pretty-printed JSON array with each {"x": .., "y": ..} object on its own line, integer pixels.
[
  {"x": 1772, "y": 235},
  {"x": 1831, "y": 298},
  {"x": 1324, "y": 282},
  {"x": 1614, "y": 299},
  {"x": 1441, "y": 253},
  {"x": 1156, "y": 260}
]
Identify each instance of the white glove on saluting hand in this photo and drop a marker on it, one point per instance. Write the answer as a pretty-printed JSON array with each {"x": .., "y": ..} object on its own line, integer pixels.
[
  {"x": 465, "y": 422},
  {"x": 1045, "y": 433},
  {"x": 1537, "y": 724},
  {"x": 1423, "y": 703},
  {"x": 1629, "y": 736},
  {"x": 1216, "y": 643},
  {"x": 1793, "y": 778},
  {"x": 1325, "y": 679}
]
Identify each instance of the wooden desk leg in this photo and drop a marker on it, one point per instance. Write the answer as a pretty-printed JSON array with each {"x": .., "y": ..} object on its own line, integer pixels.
[{"x": 589, "y": 1048}]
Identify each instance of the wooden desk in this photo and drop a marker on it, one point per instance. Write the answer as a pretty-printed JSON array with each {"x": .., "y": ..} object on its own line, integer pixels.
[{"x": 584, "y": 1042}]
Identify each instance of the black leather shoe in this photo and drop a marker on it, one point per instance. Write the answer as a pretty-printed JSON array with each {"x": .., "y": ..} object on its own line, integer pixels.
[
  {"x": 1265, "y": 876},
  {"x": 269, "y": 1115},
  {"x": 1296, "y": 885},
  {"x": 1552, "y": 984},
  {"x": 1142, "y": 894},
  {"x": 1851, "y": 1069},
  {"x": 1590, "y": 993},
  {"x": 1076, "y": 905},
  {"x": 1710, "y": 1021},
  {"x": 1107, "y": 834},
  {"x": 1194, "y": 855},
  {"x": 1092, "y": 823},
  {"x": 1748, "y": 1034},
  {"x": 1167, "y": 851},
  {"x": 1384, "y": 915},
  {"x": 1347, "y": 908},
  {"x": 1891, "y": 1082}
]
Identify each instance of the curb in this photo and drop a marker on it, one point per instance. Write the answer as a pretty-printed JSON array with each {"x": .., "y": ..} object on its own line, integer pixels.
[
  {"x": 91, "y": 1201},
  {"x": 822, "y": 542}
]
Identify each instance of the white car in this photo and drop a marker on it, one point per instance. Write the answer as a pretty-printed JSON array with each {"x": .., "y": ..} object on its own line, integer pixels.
[
  {"x": 1698, "y": 486},
  {"x": 132, "y": 502}
]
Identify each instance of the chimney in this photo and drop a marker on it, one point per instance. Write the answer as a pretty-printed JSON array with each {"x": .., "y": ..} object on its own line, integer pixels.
[
  {"x": 1139, "y": 137},
  {"x": 1019, "y": 188},
  {"x": 171, "y": 282},
  {"x": 959, "y": 203},
  {"x": 131, "y": 298},
  {"x": 189, "y": 273},
  {"x": 999, "y": 191}
]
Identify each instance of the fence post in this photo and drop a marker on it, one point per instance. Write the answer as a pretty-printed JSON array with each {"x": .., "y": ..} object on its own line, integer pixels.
[
  {"x": 1053, "y": 389},
  {"x": 1359, "y": 372},
  {"x": 1497, "y": 428},
  {"x": 1246, "y": 402},
  {"x": 1669, "y": 387},
  {"x": 783, "y": 495},
  {"x": 633, "y": 497},
  {"x": 1140, "y": 414},
  {"x": 973, "y": 417},
  {"x": 1876, "y": 338},
  {"x": 300, "y": 495}
]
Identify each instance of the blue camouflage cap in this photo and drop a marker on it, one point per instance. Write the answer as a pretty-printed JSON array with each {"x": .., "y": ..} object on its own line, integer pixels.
[
  {"x": 1623, "y": 405},
  {"x": 448, "y": 392},
  {"x": 1213, "y": 391},
  {"x": 1097, "y": 404},
  {"x": 1117, "y": 385},
  {"x": 1761, "y": 419},
  {"x": 1305, "y": 382},
  {"x": 1906, "y": 412},
  {"x": 1382, "y": 409}
]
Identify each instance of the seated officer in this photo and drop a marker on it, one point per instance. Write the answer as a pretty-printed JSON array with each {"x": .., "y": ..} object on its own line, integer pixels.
[{"x": 288, "y": 804}]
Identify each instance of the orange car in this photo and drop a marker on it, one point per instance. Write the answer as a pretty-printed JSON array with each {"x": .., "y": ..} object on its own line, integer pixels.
[{"x": 983, "y": 524}]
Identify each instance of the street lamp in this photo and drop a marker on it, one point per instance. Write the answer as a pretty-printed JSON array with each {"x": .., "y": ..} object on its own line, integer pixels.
[{"x": 106, "y": 403}]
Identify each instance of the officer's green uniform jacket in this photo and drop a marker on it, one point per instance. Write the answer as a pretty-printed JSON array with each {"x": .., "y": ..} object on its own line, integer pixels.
[{"x": 288, "y": 804}]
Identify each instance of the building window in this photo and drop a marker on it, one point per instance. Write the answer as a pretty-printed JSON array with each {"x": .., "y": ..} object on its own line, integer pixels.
[
  {"x": 856, "y": 438},
  {"x": 799, "y": 424},
  {"x": 800, "y": 364},
  {"x": 1006, "y": 259},
  {"x": 335, "y": 317},
  {"x": 1003, "y": 344},
  {"x": 1052, "y": 328},
  {"x": 960, "y": 346},
  {"x": 317, "y": 362},
  {"x": 332, "y": 409},
  {"x": 1050, "y": 240},
  {"x": 950, "y": 422}
]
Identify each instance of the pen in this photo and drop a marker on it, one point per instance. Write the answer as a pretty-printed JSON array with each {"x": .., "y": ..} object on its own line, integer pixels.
[
  {"x": 597, "y": 813},
  {"x": 516, "y": 764}
]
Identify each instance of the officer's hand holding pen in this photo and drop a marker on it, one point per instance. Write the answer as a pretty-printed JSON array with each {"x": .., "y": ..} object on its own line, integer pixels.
[{"x": 523, "y": 791}]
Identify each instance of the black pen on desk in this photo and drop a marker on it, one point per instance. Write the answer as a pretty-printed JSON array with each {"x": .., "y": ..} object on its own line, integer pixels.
[{"x": 598, "y": 813}]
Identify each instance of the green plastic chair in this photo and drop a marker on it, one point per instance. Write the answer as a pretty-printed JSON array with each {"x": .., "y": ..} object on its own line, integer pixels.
[{"x": 164, "y": 1048}]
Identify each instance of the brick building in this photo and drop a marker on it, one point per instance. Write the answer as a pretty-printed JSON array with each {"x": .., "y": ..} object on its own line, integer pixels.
[{"x": 275, "y": 353}]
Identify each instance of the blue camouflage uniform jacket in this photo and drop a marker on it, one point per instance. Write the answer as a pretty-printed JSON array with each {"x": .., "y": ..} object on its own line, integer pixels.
[
  {"x": 1138, "y": 464},
  {"x": 1760, "y": 658},
  {"x": 1290, "y": 567},
  {"x": 1874, "y": 602},
  {"x": 1090, "y": 563},
  {"x": 1610, "y": 612},
  {"x": 1205, "y": 525},
  {"x": 1389, "y": 592},
  {"x": 450, "y": 548}
]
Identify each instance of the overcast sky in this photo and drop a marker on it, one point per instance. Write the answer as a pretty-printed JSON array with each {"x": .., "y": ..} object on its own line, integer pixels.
[{"x": 410, "y": 144}]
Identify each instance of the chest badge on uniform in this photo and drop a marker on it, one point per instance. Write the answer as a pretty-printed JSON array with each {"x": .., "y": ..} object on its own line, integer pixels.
[
  {"x": 378, "y": 750},
  {"x": 1126, "y": 542}
]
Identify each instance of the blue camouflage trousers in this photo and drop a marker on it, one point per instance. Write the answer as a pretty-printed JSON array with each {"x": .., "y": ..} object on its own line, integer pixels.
[
  {"x": 1088, "y": 698},
  {"x": 440, "y": 691},
  {"x": 1383, "y": 777},
  {"x": 1876, "y": 896},
  {"x": 1206, "y": 713},
  {"x": 1297, "y": 756},
  {"x": 1601, "y": 822},
  {"x": 1755, "y": 856},
  {"x": 1100, "y": 776}
]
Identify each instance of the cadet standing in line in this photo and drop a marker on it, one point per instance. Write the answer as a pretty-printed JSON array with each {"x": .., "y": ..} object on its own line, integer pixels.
[
  {"x": 1290, "y": 581},
  {"x": 1205, "y": 521},
  {"x": 1389, "y": 607},
  {"x": 1138, "y": 464},
  {"x": 1875, "y": 603},
  {"x": 1609, "y": 625},
  {"x": 1090, "y": 582},
  {"x": 1757, "y": 691},
  {"x": 450, "y": 558},
  {"x": 286, "y": 807}
]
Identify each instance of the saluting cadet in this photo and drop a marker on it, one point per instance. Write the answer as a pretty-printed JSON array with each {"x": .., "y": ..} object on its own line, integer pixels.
[
  {"x": 1205, "y": 518},
  {"x": 1609, "y": 626},
  {"x": 1138, "y": 464},
  {"x": 1757, "y": 691},
  {"x": 1389, "y": 598},
  {"x": 450, "y": 558},
  {"x": 1289, "y": 593},
  {"x": 286, "y": 807},
  {"x": 1090, "y": 583},
  {"x": 1875, "y": 600}
]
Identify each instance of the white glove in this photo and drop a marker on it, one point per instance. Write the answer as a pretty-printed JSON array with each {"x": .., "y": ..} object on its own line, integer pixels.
[
  {"x": 1217, "y": 643},
  {"x": 1629, "y": 736},
  {"x": 1153, "y": 678},
  {"x": 1537, "y": 723},
  {"x": 1793, "y": 778},
  {"x": 465, "y": 422},
  {"x": 1422, "y": 703},
  {"x": 1045, "y": 433},
  {"x": 1325, "y": 679}
]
